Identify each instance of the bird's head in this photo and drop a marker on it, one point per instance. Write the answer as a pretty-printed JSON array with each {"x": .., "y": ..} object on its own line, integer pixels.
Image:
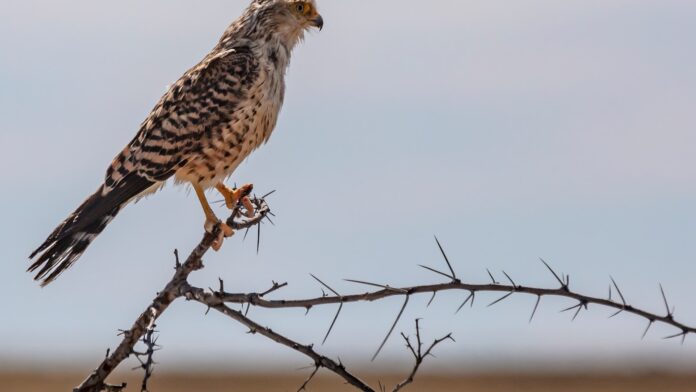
[
  {"x": 302, "y": 14},
  {"x": 286, "y": 19}
]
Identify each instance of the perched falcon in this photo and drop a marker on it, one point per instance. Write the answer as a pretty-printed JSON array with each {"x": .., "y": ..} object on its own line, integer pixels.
[{"x": 203, "y": 127}]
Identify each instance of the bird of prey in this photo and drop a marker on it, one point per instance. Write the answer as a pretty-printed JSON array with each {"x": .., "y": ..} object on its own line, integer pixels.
[{"x": 203, "y": 127}]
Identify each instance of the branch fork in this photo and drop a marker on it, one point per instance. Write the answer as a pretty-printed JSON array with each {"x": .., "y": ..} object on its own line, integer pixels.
[{"x": 143, "y": 329}]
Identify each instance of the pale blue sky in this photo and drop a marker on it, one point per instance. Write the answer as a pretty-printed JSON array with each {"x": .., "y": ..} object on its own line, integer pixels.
[{"x": 513, "y": 130}]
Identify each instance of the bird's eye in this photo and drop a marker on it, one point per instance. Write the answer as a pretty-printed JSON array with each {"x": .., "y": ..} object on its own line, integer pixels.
[{"x": 300, "y": 7}]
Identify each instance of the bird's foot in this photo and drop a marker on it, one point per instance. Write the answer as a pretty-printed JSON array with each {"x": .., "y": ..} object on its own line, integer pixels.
[
  {"x": 236, "y": 196},
  {"x": 225, "y": 231}
]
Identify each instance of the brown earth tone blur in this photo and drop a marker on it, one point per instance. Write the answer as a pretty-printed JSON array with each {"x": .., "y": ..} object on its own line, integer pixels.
[{"x": 164, "y": 382}]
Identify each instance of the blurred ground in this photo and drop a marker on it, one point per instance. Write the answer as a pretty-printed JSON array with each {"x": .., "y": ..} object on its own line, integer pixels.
[{"x": 30, "y": 382}]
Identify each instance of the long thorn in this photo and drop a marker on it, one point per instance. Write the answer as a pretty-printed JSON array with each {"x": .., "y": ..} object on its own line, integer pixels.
[
  {"x": 377, "y": 285},
  {"x": 536, "y": 305},
  {"x": 403, "y": 307},
  {"x": 571, "y": 308},
  {"x": 454, "y": 276},
  {"x": 555, "y": 275},
  {"x": 675, "y": 335},
  {"x": 436, "y": 271},
  {"x": 431, "y": 299},
  {"x": 664, "y": 297},
  {"x": 332, "y": 323},
  {"x": 491, "y": 275},
  {"x": 324, "y": 284},
  {"x": 500, "y": 299},
  {"x": 471, "y": 295},
  {"x": 618, "y": 290},
  {"x": 510, "y": 279},
  {"x": 650, "y": 323}
]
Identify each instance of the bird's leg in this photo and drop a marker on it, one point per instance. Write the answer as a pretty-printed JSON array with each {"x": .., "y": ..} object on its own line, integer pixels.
[
  {"x": 234, "y": 196},
  {"x": 211, "y": 220}
]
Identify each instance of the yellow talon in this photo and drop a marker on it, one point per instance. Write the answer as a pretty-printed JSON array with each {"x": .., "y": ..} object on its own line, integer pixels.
[
  {"x": 211, "y": 220},
  {"x": 235, "y": 196}
]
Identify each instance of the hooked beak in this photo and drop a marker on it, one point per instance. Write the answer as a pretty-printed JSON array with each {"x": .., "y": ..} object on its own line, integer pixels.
[{"x": 318, "y": 22}]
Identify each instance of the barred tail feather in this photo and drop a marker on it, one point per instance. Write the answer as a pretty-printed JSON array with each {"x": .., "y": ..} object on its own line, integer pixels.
[
  {"x": 63, "y": 252},
  {"x": 72, "y": 237}
]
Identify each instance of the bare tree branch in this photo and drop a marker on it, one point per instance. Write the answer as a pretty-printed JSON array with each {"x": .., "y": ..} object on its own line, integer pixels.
[
  {"x": 418, "y": 354},
  {"x": 96, "y": 381},
  {"x": 178, "y": 286},
  {"x": 146, "y": 358},
  {"x": 211, "y": 301},
  {"x": 304, "y": 385},
  {"x": 583, "y": 301},
  {"x": 173, "y": 290}
]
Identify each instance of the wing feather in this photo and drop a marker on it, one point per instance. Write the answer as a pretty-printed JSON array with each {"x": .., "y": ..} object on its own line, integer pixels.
[{"x": 204, "y": 98}]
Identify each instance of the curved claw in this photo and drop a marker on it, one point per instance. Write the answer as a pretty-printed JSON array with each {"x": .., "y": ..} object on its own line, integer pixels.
[
  {"x": 248, "y": 206},
  {"x": 234, "y": 196}
]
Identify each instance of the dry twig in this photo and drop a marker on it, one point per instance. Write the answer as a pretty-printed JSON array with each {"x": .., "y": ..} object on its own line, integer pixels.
[
  {"x": 583, "y": 301},
  {"x": 174, "y": 289},
  {"x": 178, "y": 286},
  {"x": 418, "y": 354}
]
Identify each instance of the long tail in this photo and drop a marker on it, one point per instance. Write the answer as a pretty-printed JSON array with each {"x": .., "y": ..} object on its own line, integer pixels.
[{"x": 72, "y": 237}]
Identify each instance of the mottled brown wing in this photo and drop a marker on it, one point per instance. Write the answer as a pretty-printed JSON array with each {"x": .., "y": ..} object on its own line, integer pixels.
[{"x": 198, "y": 104}]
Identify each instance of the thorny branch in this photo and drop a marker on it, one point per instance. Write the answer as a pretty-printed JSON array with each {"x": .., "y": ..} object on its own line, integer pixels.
[
  {"x": 212, "y": 301},
  {"x": 96, "y": 381},
  {"x": 583, "y": 301},
  {"x": 320, "y": 361},
  {"x": 418, "y": 354},
  {"x": 178, "y": 286},
  {"x": 146, "y": 358}
]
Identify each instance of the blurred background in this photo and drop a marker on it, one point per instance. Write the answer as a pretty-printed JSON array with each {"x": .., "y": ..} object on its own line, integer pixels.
[{"x": 512, "y": 130}]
